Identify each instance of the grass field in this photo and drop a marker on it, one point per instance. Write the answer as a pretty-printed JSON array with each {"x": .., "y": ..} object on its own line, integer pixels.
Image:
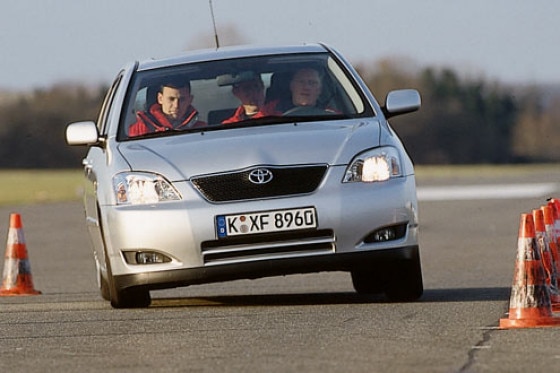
[
  {"x": 40, "y": 186},
  {"x": 46, "y": 186}
]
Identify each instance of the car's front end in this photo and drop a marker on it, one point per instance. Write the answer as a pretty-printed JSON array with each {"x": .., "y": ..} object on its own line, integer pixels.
[{"x": 344, "y": 213}]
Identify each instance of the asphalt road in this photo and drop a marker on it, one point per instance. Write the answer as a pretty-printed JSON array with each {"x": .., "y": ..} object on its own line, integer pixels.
[{"x": 303, "y": 323}]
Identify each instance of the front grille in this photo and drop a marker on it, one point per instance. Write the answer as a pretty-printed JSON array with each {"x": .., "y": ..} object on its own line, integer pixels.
[
  {"x": 237, "y": 186},
  {"x": 268, "y": 246}
]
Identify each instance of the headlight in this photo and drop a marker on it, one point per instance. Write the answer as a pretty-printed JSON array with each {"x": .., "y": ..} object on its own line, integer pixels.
[
  {"x": 375, "y": 165},
  {"x": 142, "y": 188}
]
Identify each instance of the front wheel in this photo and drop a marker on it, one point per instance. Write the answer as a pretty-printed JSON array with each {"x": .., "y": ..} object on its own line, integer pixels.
[
  {"x": 405, "y": 281},
  {"x": 368, "y": 282},
  {"x": 130, "y": 298},
  {"x": 400, "y": 280},
  {"x": 126, "y": 298}
]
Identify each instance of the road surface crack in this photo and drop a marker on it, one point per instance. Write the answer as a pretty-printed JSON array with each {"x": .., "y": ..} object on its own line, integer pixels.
[{"x": 481, "y": 345}]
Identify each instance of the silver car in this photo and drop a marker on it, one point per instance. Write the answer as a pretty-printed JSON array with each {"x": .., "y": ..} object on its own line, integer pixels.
[{"x": 320, "y": 186}]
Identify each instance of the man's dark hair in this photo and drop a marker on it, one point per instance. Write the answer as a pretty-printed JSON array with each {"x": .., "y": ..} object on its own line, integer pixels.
[{"x": 175, "y": 82}]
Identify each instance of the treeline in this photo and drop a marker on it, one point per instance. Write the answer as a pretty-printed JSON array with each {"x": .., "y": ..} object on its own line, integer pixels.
[
  {"x": 471, "y": 120},
  {"x": 33, "y": 125},
  {"x": 462, "y": 120}
]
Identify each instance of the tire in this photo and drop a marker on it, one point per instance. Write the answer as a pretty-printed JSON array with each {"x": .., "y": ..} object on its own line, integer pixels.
[
  {"x": 404, "y": 284},
  {"x": 130, "y": 298},
  {"x": 125, "y": 298},
  {"x": 367, "y": 281}
]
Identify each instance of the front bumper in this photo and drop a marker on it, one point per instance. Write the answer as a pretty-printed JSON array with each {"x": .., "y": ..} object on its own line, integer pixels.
[{"x": 366, "y": 260}]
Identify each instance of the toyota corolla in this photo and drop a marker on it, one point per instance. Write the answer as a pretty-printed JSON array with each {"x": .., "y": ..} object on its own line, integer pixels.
[{"x": 248, "y": 162}]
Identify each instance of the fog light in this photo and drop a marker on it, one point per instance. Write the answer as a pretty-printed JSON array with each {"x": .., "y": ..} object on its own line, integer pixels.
[
  {"x": 385, "y": 234},
  {"x": 145, "y": 257}
]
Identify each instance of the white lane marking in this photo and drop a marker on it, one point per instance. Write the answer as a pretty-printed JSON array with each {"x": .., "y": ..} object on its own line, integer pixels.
[{"x": 492, "y": 191}]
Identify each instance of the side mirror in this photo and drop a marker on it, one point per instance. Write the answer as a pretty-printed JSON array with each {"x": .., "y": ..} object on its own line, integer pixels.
[
  {"x": 402, "y": 101},
  {"x": 82, "y": 133}
]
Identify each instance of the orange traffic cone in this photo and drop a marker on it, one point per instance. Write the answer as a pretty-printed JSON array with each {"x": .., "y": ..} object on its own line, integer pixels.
[
  {"x": 17, "y": 271},
  {"x": 555, "y": 204},
  {"x": 529, "y": 304},
  {"x": 549, "y": 221},
  {"x": 543, "y": 245}
]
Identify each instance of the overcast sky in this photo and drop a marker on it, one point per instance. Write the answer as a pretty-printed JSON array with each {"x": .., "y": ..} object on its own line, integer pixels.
[{"x": 43, "y": 42}]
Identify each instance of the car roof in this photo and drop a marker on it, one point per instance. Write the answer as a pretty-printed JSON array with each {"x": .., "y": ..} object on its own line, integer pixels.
[{"x": 228, "y": 53}]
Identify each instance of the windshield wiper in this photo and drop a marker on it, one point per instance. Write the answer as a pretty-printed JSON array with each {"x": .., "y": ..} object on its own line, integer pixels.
[
  {"x": 166, "y": 132},
  {"x": 277, "y": 119},
  {"x": 314, "y": 118},
  {"x": 271, "y": 119}
]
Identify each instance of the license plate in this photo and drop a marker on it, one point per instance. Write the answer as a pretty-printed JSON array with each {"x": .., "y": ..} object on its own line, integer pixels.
[{"x": 266, "y": 222}]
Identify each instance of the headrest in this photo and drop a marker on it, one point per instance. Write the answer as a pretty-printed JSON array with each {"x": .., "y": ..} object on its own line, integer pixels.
[{"x": 231, "y": 79}]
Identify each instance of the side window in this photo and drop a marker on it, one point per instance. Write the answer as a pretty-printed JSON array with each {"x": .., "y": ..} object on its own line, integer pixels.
[{"x": 105, "y": 108}]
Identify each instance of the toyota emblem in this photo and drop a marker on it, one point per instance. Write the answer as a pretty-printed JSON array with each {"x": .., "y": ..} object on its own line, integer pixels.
[{"x": 260, "y": 176}]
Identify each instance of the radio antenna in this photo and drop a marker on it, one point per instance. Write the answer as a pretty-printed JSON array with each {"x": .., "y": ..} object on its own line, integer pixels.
[{"x": 214, "y": 22}]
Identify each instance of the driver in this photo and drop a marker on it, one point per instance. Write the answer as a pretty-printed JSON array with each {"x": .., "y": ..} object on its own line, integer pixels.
[{"x": 306, "y": 87}]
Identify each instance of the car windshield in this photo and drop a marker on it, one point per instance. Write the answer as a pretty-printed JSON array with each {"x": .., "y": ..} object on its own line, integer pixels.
[{"x": 250, "y": 91}]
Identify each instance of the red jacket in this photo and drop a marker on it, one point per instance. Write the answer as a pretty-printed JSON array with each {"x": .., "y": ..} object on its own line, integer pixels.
[
  {"x": 155, "y": 120},
  {"x": 266, "y": 110}
]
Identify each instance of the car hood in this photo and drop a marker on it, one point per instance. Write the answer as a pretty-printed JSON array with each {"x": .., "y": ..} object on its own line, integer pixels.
[{"x": 184, "y": 156}]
